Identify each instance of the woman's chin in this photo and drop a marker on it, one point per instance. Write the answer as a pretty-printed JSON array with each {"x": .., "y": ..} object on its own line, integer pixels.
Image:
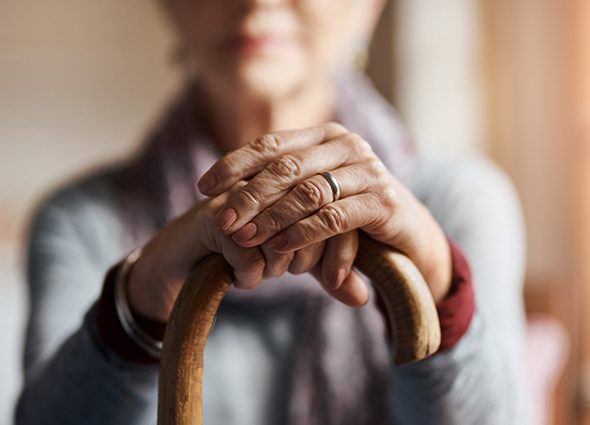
[
  {"x": 262, "y": 78},
  {"x": 271, "y": 82}
]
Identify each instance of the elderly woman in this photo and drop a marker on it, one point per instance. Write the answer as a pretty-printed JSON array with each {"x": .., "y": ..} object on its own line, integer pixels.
[{"x": 270, "y": 87}]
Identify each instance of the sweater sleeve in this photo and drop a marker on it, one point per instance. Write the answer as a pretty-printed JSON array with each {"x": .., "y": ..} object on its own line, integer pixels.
[
  {"x": 70, "y": 376},
  {"x": 480, "y": 380},
  {"x": 111, "y": 331}
]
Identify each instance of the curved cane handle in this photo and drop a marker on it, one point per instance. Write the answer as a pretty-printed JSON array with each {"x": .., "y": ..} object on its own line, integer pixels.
[{"x": 413, "y": 319}]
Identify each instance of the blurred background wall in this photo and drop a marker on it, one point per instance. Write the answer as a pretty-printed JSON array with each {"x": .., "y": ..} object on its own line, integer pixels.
[{"x": 81, "y": 82}]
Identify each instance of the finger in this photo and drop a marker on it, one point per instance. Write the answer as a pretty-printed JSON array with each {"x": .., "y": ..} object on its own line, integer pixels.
[
  {"x": 282, "y": 174},
  {"x": 338, "y": 258},
  {"x": 220, "y": 200},
  {"x": 333, "y": 219},
  {"x": 275, "y": 264},
  {"x": 353, "y": 292},
  {"x": 306, "y": 198},
  {"x": 305, "y": 259},
  {"x": 254, "y": 156},
  {"x": 248, "y": 263},
  {"x": 212, "y": 238}
]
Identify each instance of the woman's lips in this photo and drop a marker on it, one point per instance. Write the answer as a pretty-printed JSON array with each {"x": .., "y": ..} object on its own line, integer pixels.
[{"x": 257, "y": 44}]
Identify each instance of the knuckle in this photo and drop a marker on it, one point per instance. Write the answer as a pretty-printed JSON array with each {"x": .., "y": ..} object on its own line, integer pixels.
[
  {"x": 277, "y": 265},
  {"x": 309, "y": 194},
  {"x": 295, "y": 267},
  {"x": 377, "y": 168},
  {"x": 334, "y": 127},
  {"x": 285, "y": 261},
  {"x": 225, "y": 167},
  {"x": 249, "y": 195},
  {"x": 255, "y": 263},
  {"x": 266, "y": 144},
  {"x": 286, "y": 166},
  {"x": 389, "y": 197},
  {"x": 305, "y": 259},
  {"x": 299, "y": 267},
  {"x": 361, "y": 146},
  {"x": 273, "y": 219},
  {"x": 269, "y": 271},
  {"x": 334, "y": 218}
]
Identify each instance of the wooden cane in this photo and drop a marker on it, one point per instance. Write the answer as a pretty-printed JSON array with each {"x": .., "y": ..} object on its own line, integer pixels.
[{"x": 412, "y": 314}]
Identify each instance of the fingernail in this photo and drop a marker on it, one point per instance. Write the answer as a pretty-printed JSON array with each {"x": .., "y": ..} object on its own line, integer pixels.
[
  {"x": 226, "y": 219},
  {"x": 336, "y": 278},
  {"x": 207, "y": 182},
  {"x": 245, "y": 233},
  {"x": 278, "y": 242}
]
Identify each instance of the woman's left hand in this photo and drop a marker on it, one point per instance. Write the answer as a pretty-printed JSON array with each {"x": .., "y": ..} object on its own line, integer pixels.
[{"x": 288, "y": 205}]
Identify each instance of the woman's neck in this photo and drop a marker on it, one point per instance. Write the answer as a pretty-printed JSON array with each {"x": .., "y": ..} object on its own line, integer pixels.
[{"x": 235, "y": 120}]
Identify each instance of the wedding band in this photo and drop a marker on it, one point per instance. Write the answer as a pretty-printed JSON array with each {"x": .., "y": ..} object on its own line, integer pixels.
[{"x": 333, "y": 184}]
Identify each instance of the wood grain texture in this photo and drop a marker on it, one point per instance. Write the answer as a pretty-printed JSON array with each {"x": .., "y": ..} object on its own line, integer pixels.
[
  {"x": 181, "y": 368},
  {"x": 412, "y": 314}
]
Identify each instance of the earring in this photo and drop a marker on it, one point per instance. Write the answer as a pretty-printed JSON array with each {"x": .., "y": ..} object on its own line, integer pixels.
[
  {"x": 361, "y": 58},
  {"x": 357, "y": 57}
]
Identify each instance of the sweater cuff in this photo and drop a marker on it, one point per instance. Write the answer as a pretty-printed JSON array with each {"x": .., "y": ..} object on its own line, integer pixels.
[
  {"x": 456, "y": 310},
  {"x": 111, "y": 331}
]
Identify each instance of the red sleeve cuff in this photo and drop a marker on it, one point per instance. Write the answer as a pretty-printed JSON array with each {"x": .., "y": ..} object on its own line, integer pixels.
[
  {"x": 112, "y": 333},
  {"x": 456, "y": 310}
]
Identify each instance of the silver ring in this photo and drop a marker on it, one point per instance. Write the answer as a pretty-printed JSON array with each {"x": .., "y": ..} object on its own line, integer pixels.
[{"x": 333, "y": 184}]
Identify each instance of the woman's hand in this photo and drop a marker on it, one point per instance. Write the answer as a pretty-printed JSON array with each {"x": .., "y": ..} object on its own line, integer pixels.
[
  {"x": 289, "y": 206},
  {"x": 157, "y": 278}
]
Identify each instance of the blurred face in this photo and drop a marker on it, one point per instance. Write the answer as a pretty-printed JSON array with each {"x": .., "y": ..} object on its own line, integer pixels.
[{"x": 269, "y": 48}]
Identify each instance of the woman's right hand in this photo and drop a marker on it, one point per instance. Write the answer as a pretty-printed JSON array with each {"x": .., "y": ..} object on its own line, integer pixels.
[
  {"x": 166, "y": 260},
  {"x": 157, "y": 278}
]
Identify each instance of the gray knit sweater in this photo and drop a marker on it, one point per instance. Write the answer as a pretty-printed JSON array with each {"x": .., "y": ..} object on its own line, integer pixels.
[{"x": 71, "y": 378}]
